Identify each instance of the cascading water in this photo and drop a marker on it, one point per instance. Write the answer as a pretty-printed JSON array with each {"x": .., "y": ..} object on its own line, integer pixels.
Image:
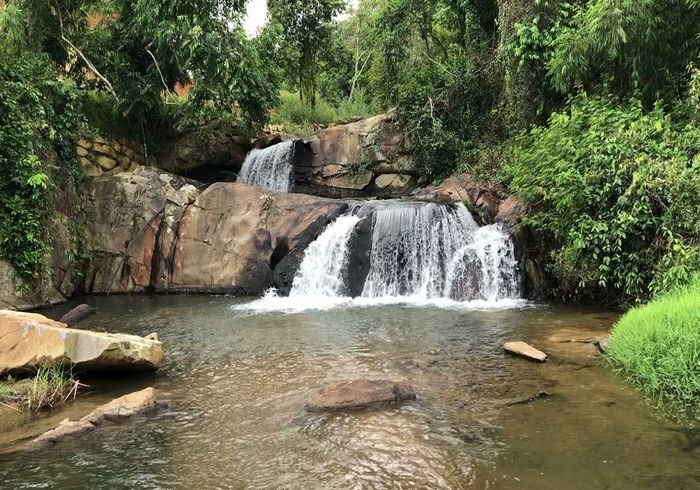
[
  {"x": 270, "y": 168},
  {"x": 321, "y": 270},
  {"x": 418, "y": 253}
]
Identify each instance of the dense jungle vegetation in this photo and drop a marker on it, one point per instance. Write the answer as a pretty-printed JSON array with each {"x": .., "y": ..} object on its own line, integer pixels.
[{"x": 586, "y": 110}]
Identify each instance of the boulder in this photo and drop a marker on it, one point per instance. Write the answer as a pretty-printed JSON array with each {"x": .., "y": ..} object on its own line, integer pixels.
[
  {"x": 78, "y": 314},
  {"x": 511, "y": 210},
  {"x": 359, "y": 393},
  {"x": 119, "y": 410},
  {"x": 266, "y": 140},
  {"x": 346, "y": 159},
  {"x": 29, "y": 341},
  {"x": 525, "y": 350},
  {"x": 478, "y": 196}
]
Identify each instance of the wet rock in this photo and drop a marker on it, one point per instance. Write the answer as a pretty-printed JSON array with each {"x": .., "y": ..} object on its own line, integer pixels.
[
  {"x": 538, "y": 396},
  {"x": 78, "y": 314},
  {"x": 119, "y": 410},
  {"x": 525, "y": 350},
  {"x": 359, "y": 393},
  {"x": 478, "y": 196},
  {"x": 29, "y": 341},
  {"x": 602, "y": 344}
]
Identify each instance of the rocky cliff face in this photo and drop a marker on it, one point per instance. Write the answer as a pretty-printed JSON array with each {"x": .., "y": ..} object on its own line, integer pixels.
[
  {"x": 365, "y": 158},
  {"x": 152, "y": 230}
]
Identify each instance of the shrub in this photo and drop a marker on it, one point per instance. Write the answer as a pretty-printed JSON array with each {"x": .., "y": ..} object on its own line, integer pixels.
[
  {"x": 615, "y": 192},
  {"x": 299, "y": 117},
  {"x": 657, "y": 346}
]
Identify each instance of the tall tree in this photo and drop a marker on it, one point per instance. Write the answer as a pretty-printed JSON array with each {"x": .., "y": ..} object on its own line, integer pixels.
[{"x": 306, "y": 26}]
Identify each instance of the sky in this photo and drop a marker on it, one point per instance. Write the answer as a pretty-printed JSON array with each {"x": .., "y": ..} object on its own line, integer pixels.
[{"x": 257, "y": 10}]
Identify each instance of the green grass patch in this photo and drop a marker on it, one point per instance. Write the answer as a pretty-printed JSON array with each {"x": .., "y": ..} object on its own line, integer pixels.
[
  {"x": 657, "y": 347},
  {"x": 299, "y": 118},
  {"x": 49, "y": 388}
]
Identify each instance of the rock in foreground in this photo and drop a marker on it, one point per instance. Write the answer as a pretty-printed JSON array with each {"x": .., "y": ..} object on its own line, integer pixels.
[
  {"x": 359, "y": 393},
  {"x": 142, "y": 402},
  {"x": 525, "y": 350},
  {"x": 29, "y": 340}
]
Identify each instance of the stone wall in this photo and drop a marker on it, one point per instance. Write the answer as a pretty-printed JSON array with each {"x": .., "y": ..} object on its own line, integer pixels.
[{"x": 100, "y": 155}]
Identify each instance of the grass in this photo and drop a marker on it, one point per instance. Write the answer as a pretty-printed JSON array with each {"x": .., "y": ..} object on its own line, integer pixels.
[
  {"x": 657, "y": 347},
  {"x": 50, "y": 387},
  {"x": 299, "y": 118}
]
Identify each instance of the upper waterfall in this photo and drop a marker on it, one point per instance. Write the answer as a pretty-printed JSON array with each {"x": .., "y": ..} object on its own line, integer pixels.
[{"x": 270, "y": 168}]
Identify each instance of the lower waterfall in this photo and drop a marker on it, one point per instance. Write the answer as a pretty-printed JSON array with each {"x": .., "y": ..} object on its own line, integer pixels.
[
  {"x": 418, "y": 253},
  {"x": 270, "y": 168}
]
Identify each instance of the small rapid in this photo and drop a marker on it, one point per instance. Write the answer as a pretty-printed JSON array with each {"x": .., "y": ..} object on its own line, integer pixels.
[{"x": 270, "y": 168}]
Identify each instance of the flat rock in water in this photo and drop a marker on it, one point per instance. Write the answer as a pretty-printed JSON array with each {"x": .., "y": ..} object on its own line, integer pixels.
[
  {"x": 359, "y": 393},
  {"x": 78, "y": 314},
  {"x": 29, "y": 341},
  {"x": 121, "y": 409},
  {"x": 525, "y": 350}
]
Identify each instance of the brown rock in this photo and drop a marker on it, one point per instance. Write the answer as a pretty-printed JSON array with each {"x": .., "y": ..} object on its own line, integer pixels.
[
  {"x": 124, "y": 161},
  {"x": 78, "y": 314},
  {"x": 82, "y": 152},
  {"x": 266, "y": 140},
  {"x": 106, "y": 163},
  {"x": 92, "y": 171},
  {"x": 119, "y": 410},
  {"x": 226, "y": 240},
  {"x": 30, "y": 340},
  {"x": 123, "y": 214},
  {"x": 105, "y": 149},
  {"x": 525, "y": 350},
  {"x": 359, "y": 393},
  {"x": 511, "y": 209}
]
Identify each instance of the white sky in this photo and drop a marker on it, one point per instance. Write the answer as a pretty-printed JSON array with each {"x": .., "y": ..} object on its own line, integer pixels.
[{"x": 257, "y": 10}]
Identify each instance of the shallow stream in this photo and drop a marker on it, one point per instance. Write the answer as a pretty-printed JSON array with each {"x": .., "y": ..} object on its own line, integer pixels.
[{"x": 238, "y": 380}]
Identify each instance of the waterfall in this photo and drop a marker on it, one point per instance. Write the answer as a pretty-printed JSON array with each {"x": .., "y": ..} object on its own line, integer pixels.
[
  {"x": 321, "y": 270},
  {"x": 270, "y": 168},
  {"x": 404, "y": 252},
  {"x": 413, "y": 245}
]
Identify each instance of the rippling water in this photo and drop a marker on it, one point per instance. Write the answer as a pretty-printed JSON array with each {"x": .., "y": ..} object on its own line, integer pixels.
[{"x": 239, "y": 378}]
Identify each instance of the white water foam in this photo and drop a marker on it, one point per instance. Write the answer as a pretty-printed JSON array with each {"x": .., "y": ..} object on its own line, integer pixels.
[
  {"x": 423, "y": 254},
  {"x": 270, "y": 168}
]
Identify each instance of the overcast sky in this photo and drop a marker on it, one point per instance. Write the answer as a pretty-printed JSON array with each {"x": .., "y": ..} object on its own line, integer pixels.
[{"x": 255, "y": 16}]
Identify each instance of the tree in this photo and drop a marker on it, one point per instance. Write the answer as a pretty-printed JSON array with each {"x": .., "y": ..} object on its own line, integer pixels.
[
  {"x": 306, "y": 26},
  {"x": 139, "y": 49}
]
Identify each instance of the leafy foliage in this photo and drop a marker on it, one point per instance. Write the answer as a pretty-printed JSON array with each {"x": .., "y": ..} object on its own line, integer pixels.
[
  {"x": 656, "y": 346},
  {"x": 636, "y": 45},
  {"x": 305, "y": 26},
  {"x": 39, "y": 120},
  {"x": 617, "y": 191}
]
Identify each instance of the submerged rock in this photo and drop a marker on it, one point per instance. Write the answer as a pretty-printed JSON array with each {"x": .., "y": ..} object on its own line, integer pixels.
[
  {"x": 121, "y": 409},
  {"x": 29, "y": 341},
  {"x": 359, "y": 393},
  {"x": 525, "y": 350},
  {"x": 78, "y": 314}
]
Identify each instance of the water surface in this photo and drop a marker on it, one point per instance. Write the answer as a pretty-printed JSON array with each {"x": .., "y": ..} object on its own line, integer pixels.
[{"x": 239, "y": 378}]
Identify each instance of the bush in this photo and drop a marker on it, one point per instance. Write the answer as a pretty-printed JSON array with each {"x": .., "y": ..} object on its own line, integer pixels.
[
  {"x": 657, "y": 346},
  {"x": 38, "y": 135},
  {"x": 299, "y": 117},
  {"x": 615, "y": 192}
]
